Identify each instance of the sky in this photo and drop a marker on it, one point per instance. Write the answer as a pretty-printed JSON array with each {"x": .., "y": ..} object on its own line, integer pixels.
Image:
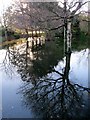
[{"x": 5, "y": 3}]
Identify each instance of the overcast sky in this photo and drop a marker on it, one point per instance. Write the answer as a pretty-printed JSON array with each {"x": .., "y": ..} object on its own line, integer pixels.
[{"x": 5, "y": 3}]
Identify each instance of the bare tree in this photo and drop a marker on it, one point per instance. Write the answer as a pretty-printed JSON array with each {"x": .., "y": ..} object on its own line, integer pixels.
[{"x": 49, "y": 16}]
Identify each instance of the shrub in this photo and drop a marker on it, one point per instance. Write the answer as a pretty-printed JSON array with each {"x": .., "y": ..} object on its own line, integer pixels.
[{"x": 16, "y": 36}]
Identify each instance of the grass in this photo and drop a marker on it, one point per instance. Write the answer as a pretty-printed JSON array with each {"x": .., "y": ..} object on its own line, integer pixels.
[{"x": 18, "y": 41}]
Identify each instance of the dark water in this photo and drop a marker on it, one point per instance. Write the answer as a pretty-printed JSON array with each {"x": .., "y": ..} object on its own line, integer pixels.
[{"x": 32, "y": 89}]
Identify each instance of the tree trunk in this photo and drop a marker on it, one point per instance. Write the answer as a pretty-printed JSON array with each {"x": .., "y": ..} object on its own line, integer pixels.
[
  {"x": 65, "y": 27},
  {"x": 67, "y": 30},
  {"x": 67, "y": 42},
  {"x": 69, "y": 36}
]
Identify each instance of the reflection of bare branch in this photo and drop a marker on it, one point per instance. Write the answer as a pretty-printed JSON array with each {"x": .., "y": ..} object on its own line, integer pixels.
[
  {"x": 50, "y": 96},
  {"x": 7, "y": 64},
  {"x": 5, "y": 59},
  {"x": 53, "y": 96},
  {"x": 84, "y": 88},
  {"x": 57, "y": 72}
]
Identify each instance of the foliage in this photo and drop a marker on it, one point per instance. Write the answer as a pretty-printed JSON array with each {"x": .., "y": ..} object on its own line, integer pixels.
[
  {"x": 81, "y": 41},
  {"x": 16, "y": 35},
  {"x": 76, "y": 28},
  {"x": 10, "y": 33}
]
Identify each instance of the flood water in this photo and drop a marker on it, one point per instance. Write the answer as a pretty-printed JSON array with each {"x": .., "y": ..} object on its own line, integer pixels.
[{"x": 31, "y": 89}]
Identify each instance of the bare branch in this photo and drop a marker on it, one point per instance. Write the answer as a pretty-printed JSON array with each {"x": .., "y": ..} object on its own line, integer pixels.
[
  {"x": 80, "y": 5},
  {"x": 84, "y": 88}
]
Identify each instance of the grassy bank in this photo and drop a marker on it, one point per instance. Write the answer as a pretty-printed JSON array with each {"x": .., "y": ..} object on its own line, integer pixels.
[{"x": 18, "y": 41}]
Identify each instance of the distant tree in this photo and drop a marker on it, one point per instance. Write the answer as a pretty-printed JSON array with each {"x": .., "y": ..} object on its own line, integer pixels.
[{"x": 48, "y": 16}]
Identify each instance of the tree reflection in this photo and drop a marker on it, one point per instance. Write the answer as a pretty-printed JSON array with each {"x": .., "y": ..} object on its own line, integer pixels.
[
  {"x": 50, "y": 97},
  {"x": 35, "y": 64},
  {"x": 56, "y": 98}
]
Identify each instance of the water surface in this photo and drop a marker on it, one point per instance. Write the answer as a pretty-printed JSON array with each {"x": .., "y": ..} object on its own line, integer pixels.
[{"x": 23, "y": 70}]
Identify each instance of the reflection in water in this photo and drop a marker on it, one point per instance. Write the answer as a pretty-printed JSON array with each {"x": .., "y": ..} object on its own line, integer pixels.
[
  {"x": 56, "y": 98},
  {"x": 12, "y": 102},
  {"x": 35, "y": 64},
  {"x": 49, "y": 96}
]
